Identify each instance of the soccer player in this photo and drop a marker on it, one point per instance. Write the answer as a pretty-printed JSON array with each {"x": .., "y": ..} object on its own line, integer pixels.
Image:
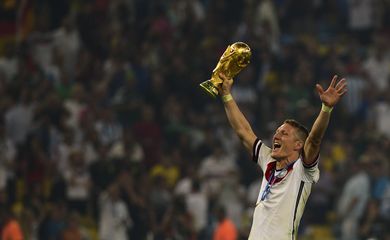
[{"x": 290, "y": 164}]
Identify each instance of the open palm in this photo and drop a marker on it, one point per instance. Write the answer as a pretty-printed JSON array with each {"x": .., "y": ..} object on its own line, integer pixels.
[{"x": 335, "y": 91}]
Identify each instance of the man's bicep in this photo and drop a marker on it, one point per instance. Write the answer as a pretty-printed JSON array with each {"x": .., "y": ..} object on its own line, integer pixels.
[{"x": 311, "y": 151}]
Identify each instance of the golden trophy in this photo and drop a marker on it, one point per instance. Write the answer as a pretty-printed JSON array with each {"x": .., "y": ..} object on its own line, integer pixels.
[{"x": 234, "y": 59}]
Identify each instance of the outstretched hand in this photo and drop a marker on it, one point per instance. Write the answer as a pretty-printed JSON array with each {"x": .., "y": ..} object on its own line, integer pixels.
[{"x": 335, "y": 91}]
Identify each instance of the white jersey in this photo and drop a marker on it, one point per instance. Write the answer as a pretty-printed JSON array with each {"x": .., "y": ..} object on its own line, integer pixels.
[{"x": 279, "y": 214}]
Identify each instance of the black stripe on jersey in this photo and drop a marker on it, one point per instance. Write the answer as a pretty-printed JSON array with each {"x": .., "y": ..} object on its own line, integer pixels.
[
  {"x": 255, "y": 151},
  {"x": 312, "y": 164},
  {"x": 296, "y": 207}
]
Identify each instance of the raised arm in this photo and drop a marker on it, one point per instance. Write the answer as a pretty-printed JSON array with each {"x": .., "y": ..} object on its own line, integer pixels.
[
  {"x": 236, "y": 119},
  {"x": 329, "y": 99}
]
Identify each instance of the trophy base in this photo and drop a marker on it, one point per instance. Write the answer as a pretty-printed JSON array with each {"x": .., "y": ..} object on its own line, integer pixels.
[{"x": 209, "y": 88}]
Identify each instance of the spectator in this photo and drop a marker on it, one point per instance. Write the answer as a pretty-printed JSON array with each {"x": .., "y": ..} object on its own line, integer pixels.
[
  {"x": 78, "y": 183},
  {"x": 53, "y": 222},
  {"x": 7, "y": 158},
  {"x": 377, "y": 66},
  {"x": 167, "y": 169},
  {"x": 361, "y": 18},
  {"x": 11, "y": 229},
  {"x": 108, "y": 128},
  {"x": 66, "y": 40},
  {"x": 372, "y": 226},
  {"x": 102, "y": 171},
  {"x": 382, "y": 116},
  {"x": 9, "y": 63},
  {"x": 197, "y": 206},
  {"x": 160, "y": 200},
  {"x": 177, "y": 222},
  {"x": 19, "y": 118},
  {"x": 225, "y": 229},
  {"x": 215, "y": 170},
  {"x": 75, "y": 105},
  {"x": 73, "y": 230},
  {"x": 114, "y": 218},
  {"x": 127, "y": 149},
  {"x": 149, "y": 134},
  {"x": 385, "y": 204},
  {"x": 353, "y": 199}
]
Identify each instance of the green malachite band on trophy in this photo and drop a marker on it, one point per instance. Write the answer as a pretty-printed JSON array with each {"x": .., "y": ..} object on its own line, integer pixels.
[{"x": 209, "y": 88}]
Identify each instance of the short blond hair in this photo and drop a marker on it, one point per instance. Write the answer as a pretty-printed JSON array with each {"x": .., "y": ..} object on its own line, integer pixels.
[{"x": 302, "y": 131}]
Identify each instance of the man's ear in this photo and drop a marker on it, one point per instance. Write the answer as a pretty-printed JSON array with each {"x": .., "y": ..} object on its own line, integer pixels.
[{"x": 298, "y": 145}]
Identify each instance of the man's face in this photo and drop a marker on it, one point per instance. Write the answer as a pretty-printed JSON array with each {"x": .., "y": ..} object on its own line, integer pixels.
[{"x": 285, "y": 142}]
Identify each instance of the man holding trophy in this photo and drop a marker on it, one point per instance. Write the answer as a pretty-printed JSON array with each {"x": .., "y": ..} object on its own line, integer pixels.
[{"x": 290, "y": 164}]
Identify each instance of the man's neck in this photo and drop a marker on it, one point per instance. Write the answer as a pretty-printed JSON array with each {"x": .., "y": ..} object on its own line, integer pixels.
[{"x": 283, "y": 163}]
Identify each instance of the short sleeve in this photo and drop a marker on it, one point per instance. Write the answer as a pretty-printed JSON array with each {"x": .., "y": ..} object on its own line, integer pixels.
[
  {"x": 310, "y": 173},
  {"x": 260, "y": 153}
]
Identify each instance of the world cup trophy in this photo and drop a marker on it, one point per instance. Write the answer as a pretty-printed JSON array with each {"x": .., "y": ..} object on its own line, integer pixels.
[{"x": 234, "y": 59}]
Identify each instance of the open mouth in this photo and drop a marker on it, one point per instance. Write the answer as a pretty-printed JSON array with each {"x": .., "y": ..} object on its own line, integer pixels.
[{"x": 276, "y": 146}]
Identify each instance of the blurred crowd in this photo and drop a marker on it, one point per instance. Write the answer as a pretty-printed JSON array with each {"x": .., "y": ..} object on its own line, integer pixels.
[{"x": 105, "y": 133}]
